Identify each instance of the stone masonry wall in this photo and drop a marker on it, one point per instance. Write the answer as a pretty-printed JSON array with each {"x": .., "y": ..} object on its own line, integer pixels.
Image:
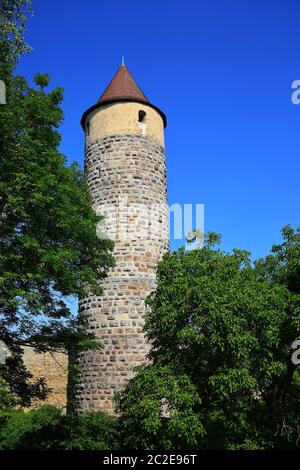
[
  {"x": 54, "y": 368},
  {"x": 127, "y": 180}
]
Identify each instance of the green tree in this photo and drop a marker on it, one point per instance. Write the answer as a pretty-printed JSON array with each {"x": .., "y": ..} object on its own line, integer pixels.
[
  {"x": 221, "y": 332},
  {"x": 12, "y": 28},
  {"x": 46, "y": 428},
  {"x": 49, "y": 249},
  {"x": 6, "y": 398}
]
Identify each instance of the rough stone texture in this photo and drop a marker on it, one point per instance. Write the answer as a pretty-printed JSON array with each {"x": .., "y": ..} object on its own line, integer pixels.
[
  {"x": 127, "y": 179},
  {"x": 53, "y": 367}
]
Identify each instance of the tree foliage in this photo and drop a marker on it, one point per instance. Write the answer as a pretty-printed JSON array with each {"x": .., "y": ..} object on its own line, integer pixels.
[
  {"x": 6, "y": 398},
  {"x": 49, "y": 249},
  {"x": 221, "y": 332},
  {"x": 158, "y": 410},
  {"x": 13, "y": 19},
  {"x": 46, "y": 428}
]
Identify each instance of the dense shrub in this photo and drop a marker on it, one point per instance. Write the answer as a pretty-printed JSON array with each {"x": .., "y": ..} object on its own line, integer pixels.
[{"x": 47, "y": 428}]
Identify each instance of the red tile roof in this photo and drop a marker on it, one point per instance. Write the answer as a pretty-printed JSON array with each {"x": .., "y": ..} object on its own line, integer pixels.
[{"x": 123, "y": 86}]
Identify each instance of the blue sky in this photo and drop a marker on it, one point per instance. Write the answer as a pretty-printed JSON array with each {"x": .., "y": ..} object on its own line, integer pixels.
[{"x": 220, "y": 70}]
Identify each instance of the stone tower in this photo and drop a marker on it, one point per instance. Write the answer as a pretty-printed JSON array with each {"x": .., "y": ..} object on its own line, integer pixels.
[{"x": 126, "y": 173}]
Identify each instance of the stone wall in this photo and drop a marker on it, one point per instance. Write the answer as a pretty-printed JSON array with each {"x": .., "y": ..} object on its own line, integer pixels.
[
  {"x": 127, "y": 172},
  {"x": 53, "y": 367}
]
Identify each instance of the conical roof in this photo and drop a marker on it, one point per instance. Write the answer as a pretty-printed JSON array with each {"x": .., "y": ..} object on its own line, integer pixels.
[{"x": 123, "y": 86}]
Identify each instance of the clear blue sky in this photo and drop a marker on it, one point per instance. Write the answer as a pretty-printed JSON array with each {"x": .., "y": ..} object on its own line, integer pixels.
[{"x": 220, "y": 70}]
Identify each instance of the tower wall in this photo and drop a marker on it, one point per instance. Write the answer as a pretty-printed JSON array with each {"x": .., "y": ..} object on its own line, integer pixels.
[
  {"x": 122, "y": 119},
  {"x": 126, "y": 173}
]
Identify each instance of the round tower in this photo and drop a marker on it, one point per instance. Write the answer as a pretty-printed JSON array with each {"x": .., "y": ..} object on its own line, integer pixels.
[{"x": 126, "y": 173}]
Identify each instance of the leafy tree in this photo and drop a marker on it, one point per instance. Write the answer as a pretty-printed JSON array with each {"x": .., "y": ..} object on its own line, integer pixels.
[
  {"x": 49, "y": 249},
  {"x": 221, "y": 332},
  {"x": 12, "y": 28},
  {"x": 282, "y": 265},
  {"x": 158, "y": 410},
  {"x": 6, "y": 398},
  {"x": 46, "y": 428}
]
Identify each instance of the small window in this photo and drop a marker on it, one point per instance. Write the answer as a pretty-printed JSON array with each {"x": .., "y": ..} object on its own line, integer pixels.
[
  {"x": 142, "y": 115},
  {"x": 88, "y": 128}
]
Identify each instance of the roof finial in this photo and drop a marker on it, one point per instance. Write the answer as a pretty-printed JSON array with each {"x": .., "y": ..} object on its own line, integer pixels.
[{"x": 123, "y": 60}]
